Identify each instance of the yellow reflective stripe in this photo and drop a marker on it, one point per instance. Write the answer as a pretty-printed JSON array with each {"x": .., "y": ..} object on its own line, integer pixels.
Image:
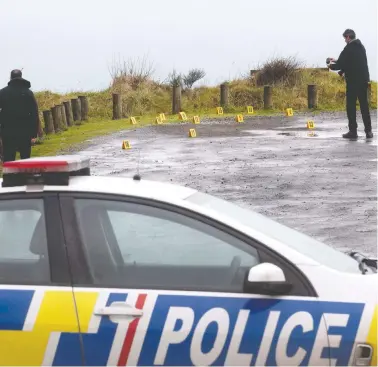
[
  {"x": 57, "y": 313},
  {"x": 372, "y": 336}
]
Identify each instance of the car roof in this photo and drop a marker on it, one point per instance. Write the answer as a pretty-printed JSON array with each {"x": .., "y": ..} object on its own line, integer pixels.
[{"x": 116, "y": 185}]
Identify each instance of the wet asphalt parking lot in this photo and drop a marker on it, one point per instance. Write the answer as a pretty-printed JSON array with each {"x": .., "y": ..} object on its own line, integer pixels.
[{"x": 322, "y": 185}]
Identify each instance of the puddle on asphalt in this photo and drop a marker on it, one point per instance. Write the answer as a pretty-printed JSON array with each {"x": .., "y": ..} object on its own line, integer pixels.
[
  {"x": 286, "y": 134},
  {"x": 297, "y": 134},
  {"x": 308, "y": 135},
  {"x": 262, "y": 133},
  {"x": 364, "y": 141}
]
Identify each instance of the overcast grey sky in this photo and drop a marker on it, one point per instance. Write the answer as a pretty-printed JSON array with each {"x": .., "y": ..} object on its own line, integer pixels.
[{"x": 69, "y": 45}]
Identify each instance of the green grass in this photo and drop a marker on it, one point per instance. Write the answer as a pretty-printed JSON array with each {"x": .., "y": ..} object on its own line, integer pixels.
[{"x": 61, "y": 142}]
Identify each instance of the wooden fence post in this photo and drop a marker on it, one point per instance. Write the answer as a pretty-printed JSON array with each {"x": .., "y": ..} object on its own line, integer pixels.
[
  {"x": 224, "y": 94},
  {"x": 49, "y": 124},
  {"x": 84, "y": 108},
  {"x": 63, "y": 119},
  {"x": 268, "y": 97},
  {"x": 117, "y": 106},
  {"x": 176, "y": 99},
  {"x": 312, "y": 96},
  {"x": 76, "y": 109},
  {"x": 56, "y": 118},
  {"x": 68, "y": 110}
]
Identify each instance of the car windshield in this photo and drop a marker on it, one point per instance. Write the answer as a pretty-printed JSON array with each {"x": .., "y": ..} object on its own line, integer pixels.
[{"x": 300, "y": 242}]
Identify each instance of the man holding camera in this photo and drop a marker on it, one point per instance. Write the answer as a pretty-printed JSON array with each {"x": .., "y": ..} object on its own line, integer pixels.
[{"x": 352, "y": 62}]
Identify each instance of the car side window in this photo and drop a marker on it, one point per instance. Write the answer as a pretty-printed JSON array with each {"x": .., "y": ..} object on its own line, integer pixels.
[
  {"x": 23, "y": 242},
  {"x": 139, "y": 246}
]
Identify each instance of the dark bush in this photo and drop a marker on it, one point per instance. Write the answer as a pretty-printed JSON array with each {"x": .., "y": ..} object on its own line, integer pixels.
[
  {"x": 131, "y": 72},
  {"x": 279, "y": 70}
]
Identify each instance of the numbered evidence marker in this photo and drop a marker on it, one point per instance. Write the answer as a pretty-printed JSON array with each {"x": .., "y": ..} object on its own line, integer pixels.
[
  {"x": 249, "y": 110},
  {"x": 220, "y": 110},
  {"x": 126, "y": 144},
  {"x": 133, "y": 120},
  {"x": 289, "y": 112},
  {"x": 158, "y": 120},
  {"x": 162, "y": 117},
  {"x": 182, "y": 116},
  {"x": 310, "y": 124},
  {"x": 239, "y": 118},
  {"x": 192, "y": 133},
  {"x": 196, "y": 120}
]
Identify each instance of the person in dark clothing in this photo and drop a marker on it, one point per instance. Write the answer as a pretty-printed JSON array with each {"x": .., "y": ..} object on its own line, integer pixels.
[
  {"x": 352, "y": 62},
  {"x": 19, "y": 118}
]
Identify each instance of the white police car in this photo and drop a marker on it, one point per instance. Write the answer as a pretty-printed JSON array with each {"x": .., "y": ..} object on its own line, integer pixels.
[{"x": 115, "y": 271}]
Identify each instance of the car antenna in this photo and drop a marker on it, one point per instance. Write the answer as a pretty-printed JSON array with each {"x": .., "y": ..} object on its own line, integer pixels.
[{"x": 137, "y": 175}]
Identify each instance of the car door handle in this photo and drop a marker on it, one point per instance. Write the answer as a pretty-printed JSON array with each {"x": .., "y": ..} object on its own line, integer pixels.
[{"x": 119, "y": 309}]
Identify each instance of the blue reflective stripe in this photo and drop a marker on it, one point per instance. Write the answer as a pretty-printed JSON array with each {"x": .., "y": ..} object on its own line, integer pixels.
[{"x": 14, "y": 306}]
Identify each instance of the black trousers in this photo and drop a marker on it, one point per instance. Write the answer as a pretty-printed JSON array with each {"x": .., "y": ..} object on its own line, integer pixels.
[
  {"x": 13, "y": 144},
  {"x": 358, "y": 91}
]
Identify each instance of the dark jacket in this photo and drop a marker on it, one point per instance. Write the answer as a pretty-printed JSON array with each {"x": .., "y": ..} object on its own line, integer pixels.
[
  {"x": 353, "y": 62},
  {"x": 19, "y": 109}
]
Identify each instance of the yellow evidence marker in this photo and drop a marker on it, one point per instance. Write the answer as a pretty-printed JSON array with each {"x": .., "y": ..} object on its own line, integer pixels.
[
  {"x": 196, "y": 120},
  {"x": 239, "y": 118},
  {"x": 192, "y": 133},
  {"x": 126, "y": 144},
  {"x": 310, "y": 124},
  {"x": 289, "y": 112},
  {"x": 220, "y": 110},
  {"x": 158, "y": 120},
  {"x": 133, "y": 120},
  {"x": 249, "y": 110},
  {"x": 162, "y": 117},
  {"x": 182, "y": 116}
]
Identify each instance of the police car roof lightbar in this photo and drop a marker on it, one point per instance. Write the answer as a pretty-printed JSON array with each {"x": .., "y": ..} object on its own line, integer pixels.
[{"x": 44, "y": 170}]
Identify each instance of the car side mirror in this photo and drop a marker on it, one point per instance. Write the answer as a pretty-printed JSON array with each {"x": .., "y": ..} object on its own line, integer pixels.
[{"x": 267, "y": 279}]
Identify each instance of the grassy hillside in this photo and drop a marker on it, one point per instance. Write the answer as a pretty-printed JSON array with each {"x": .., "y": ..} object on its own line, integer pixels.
[{"x": 149, "y": 97}]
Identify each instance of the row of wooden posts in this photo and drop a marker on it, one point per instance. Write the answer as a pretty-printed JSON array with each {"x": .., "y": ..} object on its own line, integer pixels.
[
  {"x": 312, "y": 96},
  {"x": 61, "y": 116}
]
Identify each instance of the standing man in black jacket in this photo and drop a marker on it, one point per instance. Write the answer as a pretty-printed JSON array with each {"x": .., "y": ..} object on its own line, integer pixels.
[
  {"x": 19, "y": 117},
  {"x": 353, "y": 63}
]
